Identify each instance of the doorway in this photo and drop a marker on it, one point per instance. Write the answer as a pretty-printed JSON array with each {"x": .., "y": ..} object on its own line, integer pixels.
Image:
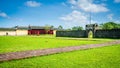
[{"x": 90, "y": 34}]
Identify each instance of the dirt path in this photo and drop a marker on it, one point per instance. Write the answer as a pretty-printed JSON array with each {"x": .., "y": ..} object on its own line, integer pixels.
[{"x": 31, "y": 53}]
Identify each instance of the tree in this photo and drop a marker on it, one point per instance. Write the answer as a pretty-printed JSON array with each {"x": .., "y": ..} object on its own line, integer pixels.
[
  {"x": 60, "y": 27},
  {"x": 110, "y": 25},
  {"x": 118, "y": 26},
  {"x": 77, "y": 28},
  {"x": 68, "y": 29},
  {"x": 47, "y": 28},
  {"x": 51, "y": 26}
]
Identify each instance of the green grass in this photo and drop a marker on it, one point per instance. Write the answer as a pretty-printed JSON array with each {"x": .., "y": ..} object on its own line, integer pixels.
[
  {"x": 104, "y": 57},
  {"x": 22, "y": 43}
]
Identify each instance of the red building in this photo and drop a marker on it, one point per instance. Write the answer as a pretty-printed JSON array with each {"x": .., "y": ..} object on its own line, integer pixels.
[{"x": 37, "y": 30}]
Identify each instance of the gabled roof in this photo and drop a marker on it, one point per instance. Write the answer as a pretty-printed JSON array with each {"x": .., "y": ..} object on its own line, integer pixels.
[
  {"x": 36, "y": 27},
  {"x": 41, "y": 27},
  {"x": 7, "y": 29},
  {"x": 22, "y": 27},
  {"x": 92, "y": 24},
  {"x": 26, "y": 28}
]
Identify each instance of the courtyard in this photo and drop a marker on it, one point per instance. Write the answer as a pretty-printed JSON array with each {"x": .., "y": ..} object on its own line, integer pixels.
[{"x": 96, "y": 57}]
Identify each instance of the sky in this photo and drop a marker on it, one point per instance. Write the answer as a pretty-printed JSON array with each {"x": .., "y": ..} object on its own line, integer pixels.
[{"x": 67, "y": 13}]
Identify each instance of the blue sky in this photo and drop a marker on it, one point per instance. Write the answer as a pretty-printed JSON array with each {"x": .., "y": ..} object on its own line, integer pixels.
[{"x": 67, "y": 13}]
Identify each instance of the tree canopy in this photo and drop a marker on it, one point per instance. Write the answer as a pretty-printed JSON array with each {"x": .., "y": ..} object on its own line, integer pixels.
[
  {"x": 60, "y": 27},
  {"x": 77, "y": 28},
  {"x": 110, "y": 25}
]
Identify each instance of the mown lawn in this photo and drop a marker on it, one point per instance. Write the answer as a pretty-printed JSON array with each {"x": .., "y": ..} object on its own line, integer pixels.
[
  {"x": 22, "y": 43},
  {"x": 104, "y": 57}
]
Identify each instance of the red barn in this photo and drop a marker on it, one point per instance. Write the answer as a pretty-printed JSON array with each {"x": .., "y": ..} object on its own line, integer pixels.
[{"x": 37, "y": 30}]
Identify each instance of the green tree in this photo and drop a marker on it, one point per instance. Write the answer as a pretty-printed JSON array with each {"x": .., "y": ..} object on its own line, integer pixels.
[
  {"x": 68, "y": 29},
  {"x": 60, "y": 27},
  {"x": 51, "y": 26},
  {"x": 77, "y": 28},
  {"x": 110, "y": 25},
  {"x": 118, "y": 26},
  {"x": 47, "y": 28}
]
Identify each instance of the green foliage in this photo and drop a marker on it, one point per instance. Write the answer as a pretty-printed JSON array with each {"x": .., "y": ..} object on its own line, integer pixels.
[
  {"x": 77, "y": 28},
  {"x": 60, "y": 27},
  {"x": 68, "y": 29},
  {"x": 47, "y": 27},
  {"x": 104, "y": 57},
  {"x": 52, "y": 26},
  {"x": 22, "y": 43},
  {"x": 110, "y": 25}
]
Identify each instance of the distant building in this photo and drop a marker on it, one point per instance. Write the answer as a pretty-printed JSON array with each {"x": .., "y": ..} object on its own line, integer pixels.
[
  {"x": 91, "y": 27},
  {"x": 37, "y": 30},
  {"x": 7, "y": 31},
  {"x": 30, "y": 30},
  {"x": 14, "y": 31},
  {"x": 21, "y": 30}
]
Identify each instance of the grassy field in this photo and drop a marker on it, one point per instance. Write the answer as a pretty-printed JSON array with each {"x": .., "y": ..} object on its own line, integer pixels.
[
  {"x": 105, "y": 57},
  {"x": 22, "y": 43}
]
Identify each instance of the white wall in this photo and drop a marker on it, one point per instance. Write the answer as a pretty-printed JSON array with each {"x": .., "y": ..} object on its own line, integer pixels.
[
  {"x": 13, "y": 33},
  {"x": 2, "y": 33},
  {"x": 54, "y": 32},
  {"x": 9, "y": 32},
  {"x": 22, "y": 32}
]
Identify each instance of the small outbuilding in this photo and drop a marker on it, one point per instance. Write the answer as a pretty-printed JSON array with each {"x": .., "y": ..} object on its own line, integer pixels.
[
  {"x": 37, "y": 30},
  {"x": 7, "y": 31}
]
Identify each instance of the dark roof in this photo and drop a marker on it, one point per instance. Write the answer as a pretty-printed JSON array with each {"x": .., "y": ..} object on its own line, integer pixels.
[
  {"x": 92, "y": 24},
  {"x": 22, "y": 27},
  {"x": 41, "y": 27},
  {"x": 36, "y": 27},
  {"x": 7, "y": 29},
  {"x": 26, "y": 28}
]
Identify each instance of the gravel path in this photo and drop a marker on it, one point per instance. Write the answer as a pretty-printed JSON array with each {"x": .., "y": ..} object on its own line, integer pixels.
[{"x": 31, "y": 53}]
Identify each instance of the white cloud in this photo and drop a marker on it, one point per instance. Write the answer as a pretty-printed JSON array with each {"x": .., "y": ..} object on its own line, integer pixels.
[
  {"x": 110, "y": 17},
  {"x": 2, "y": 14},
  {"x": 117, "y": 1},
  {"x": 32, "y": 4},
  {"x": 75, "y": 18},
  {"x": 88, "y": 5},
  {"x": 72, "y": 1}
]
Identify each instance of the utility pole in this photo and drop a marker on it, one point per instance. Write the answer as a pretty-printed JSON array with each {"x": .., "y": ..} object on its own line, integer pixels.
[
  {"x": 90, "y": 13},
  {"x": 90, "y": 16}
]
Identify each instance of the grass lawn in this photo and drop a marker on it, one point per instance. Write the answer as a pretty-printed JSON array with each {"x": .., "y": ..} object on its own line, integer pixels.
[
  {"x": 22, "y": 43},
  {"x": 104, "y": 57}
]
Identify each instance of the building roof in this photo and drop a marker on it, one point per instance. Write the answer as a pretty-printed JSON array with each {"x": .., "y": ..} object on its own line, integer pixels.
[
  {"x": 22, "y": 27},
  {"x": 7, "y": 29},
  {"x": 36, "y": 27},
  {"x": 41, "y": 27},
  {"x": 27, "y": 28},
  {"x": 91, "y": 25}
]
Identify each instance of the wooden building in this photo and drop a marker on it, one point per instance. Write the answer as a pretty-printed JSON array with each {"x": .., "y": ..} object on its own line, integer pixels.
[
  {"x": 37, "y": 30},
  {"x": 24, "y": 30}
]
